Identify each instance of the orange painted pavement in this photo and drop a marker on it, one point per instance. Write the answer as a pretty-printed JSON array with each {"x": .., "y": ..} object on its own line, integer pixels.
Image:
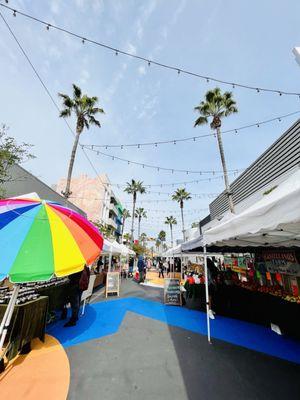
[{"x": 43, "y": 374}]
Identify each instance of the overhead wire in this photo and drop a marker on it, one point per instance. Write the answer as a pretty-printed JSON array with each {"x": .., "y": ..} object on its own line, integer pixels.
[
  {"x": 190, "y": 138},
  {"x": 179, "y": 70}
]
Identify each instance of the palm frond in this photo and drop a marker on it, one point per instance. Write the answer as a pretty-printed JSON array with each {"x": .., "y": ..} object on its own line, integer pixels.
[
  {"x": 201, "y": 121},
  {"x": 66, "y": 112},
  {"x": 76, "y": 91},
  {"x": 94, "y": 121}
]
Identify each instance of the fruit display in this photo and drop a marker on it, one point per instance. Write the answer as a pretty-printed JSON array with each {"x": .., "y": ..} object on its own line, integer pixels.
[{"x": 277, "y": 291}]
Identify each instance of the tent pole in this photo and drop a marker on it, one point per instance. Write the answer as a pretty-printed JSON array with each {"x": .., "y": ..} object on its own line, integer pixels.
[
  {"x": 110, "y": 259},
  {"x": 206, "y": 295},
  {"x": 7, "y": 316}
]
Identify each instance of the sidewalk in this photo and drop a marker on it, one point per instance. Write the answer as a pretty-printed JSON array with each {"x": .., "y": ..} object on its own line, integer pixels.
[{"x": 135, "y": 347}]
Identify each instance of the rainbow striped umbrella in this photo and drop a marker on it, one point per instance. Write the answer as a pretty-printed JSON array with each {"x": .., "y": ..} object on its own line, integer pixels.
[{"x": 40, "y": 239}]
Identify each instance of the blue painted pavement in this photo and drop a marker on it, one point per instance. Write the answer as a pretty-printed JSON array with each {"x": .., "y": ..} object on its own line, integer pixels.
[{"x": 104, "y": 318}]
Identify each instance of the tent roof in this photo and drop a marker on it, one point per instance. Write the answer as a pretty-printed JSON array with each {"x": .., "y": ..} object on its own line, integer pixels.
[
  {"x": 116, "y": 248},
  {"x": 274, "y": 221}
]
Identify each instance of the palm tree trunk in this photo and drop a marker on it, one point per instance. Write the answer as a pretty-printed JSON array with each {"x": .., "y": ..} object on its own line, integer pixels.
[
  {"x": 227, "y": 186},
  {"x": 67, "y": 192},
  {"x": 182, "y": 221},
  {"x": 139, "y": 228},
  {"x": 171, "y": 229},
  {"x": 132, "y": 220}
]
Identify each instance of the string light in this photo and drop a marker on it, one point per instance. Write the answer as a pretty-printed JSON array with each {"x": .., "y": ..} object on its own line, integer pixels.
[
  {"x": 193, "y": 138},
  {"x": 157, "y": 63},
  {"x": 159, "y": 167}
]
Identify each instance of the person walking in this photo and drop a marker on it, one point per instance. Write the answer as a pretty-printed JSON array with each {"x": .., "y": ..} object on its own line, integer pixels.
[
  {"x": 141, "y": 266},
  {"x": 130, "y": 267},
  {"x": 160, "y": 269}
]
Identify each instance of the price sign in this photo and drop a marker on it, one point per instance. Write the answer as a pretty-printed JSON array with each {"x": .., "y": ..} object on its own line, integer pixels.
[
  {"x": 113, "y": 283},
  {"x": 172, "y": 294}
]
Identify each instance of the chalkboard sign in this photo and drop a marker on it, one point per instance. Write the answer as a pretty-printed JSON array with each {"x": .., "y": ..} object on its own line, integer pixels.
[
  {"x": 172, "y": 293},
  {"x": 113, "y": 283}
]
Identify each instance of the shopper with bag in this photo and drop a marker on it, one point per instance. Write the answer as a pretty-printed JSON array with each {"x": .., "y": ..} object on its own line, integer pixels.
[{"x": 79, "y": 282}]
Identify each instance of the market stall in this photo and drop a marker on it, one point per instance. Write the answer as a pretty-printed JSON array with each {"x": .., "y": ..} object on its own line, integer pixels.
[
  {"x": 34, "y": 236},
  {"x": 270, "y": 230}
]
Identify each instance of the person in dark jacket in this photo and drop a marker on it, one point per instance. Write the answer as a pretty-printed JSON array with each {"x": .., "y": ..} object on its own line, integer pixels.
[
  {"x": 141, "y": 266},
  {"x": 74, "y": 295},
  {"x": 160, "y": 269}
]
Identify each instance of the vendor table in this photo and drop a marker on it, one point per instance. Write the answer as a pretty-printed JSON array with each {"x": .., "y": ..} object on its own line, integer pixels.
[
  {"x": 256, "y": 307},
  {"x": 28, "y": 322}
]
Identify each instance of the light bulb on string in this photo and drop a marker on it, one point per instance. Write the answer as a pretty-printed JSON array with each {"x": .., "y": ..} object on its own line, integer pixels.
[
  {"x": 83, "y": 40},
  {"x": 15, "y": 13},
  {"x": 48, "y": 27}
]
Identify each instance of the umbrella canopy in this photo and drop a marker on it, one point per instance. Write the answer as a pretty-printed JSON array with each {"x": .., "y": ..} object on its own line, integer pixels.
[{"x": 40, "y": 239}]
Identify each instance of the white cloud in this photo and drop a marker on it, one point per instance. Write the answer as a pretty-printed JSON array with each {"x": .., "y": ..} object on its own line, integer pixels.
[
  {"x": 142, "y": 70},
  {"x": 55, "y": 6},
  {"x": 84, "y": 76},
  {"x": 54, "y": 52},
  {"x": 96, "y": 5},
  {"x": 130, "y": 48}
]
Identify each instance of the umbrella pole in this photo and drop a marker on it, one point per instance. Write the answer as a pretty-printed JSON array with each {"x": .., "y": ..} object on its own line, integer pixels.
[
  {"x": 7, "y": 317},
  {"x": 206, "y": 295}
]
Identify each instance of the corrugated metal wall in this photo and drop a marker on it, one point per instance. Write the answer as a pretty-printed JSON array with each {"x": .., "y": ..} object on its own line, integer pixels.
[{"x": 282, "y": 156}]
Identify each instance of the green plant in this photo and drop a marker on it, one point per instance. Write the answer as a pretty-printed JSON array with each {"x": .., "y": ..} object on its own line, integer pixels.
[{"x": 11, "y": 153}]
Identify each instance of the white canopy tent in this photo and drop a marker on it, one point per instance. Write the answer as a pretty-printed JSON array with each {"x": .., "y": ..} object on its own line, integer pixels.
[
  {"x": 274, "y": 221},
  {"x": 115, "y": 248},
  {"x": 173, "y": 251}
]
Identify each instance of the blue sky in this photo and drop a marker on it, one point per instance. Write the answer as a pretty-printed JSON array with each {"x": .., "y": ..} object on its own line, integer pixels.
[{"x": 246, "y": 42}]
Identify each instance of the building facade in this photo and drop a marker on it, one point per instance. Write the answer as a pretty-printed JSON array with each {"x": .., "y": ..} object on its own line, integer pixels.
[{"x": 96, "y": 197}]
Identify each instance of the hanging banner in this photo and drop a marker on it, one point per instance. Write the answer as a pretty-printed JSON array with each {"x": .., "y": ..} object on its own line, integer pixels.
[{"x": 282, "y": 262}]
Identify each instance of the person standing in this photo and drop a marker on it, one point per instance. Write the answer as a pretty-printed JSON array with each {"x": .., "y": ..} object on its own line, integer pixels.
[{"x": 78, "y": 282}]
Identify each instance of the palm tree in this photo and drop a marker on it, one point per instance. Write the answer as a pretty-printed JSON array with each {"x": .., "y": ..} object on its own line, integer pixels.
[
  {"x": 217, "y": 106},
  {"x": 162, "y": 236},
  {"x": 143, "y": 238},
  {"x": 171, "y": 221},
  {"x": 157, "y": 244},
  {"x": 181, "y": 195},
  {"x": 84, "y": 108},
  {"x": 125, "y": 215},
  {"x": 139, "y": 214},
  {"x": 127, "y": 237},
  {"x": 133, "y": 188}
]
